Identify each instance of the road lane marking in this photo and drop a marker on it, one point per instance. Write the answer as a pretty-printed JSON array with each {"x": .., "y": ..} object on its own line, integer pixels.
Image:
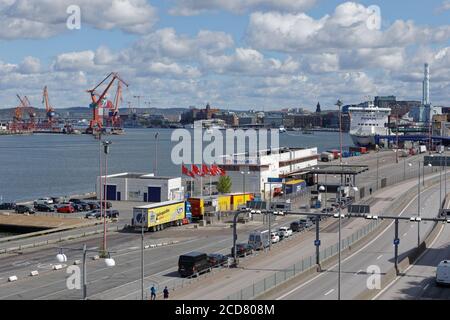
[
  {"x": 404, "y": 235},
  {"x": 409, "y": 268},
  {"x": 379, "y": 257},
  {"x": 355, "y": 253},
  {"x": 329, "y": 292},
  {"x": 359, "y": 271},
  {"x": 426, "y": 287}
]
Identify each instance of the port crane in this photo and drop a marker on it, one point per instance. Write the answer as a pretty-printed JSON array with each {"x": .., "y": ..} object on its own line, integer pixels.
[
  {"x": 49, "y": 110},
  {"x": 19, "y": 123},
  {"x": 100, "y": 101}
]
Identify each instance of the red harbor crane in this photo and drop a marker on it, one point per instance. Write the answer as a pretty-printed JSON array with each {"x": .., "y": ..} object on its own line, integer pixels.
[
  {"x": 49, "y": 110},
  {"x": 100, "y": 101}
]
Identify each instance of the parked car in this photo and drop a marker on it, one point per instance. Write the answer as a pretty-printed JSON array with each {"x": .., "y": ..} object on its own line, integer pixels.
[
  {"x": 278, "y": 213},
  {"x": 45, "y": 201},
  {"x": 296, "y": 226},
  {"x": 65, "y": 208},
  {"x": 217, "y": 259},
  {"x": 44, "y": 208},
  {"x": 275, "y": 237},
  {"x": 242, "y": 249},
  {"x": 259, "y": 239},
  {"x": 328, "y": 210},
  {"x": 97, "y": 214},
  {"x": 24, "y": 209},
  {"x": 286, "y": 232},
  {"x": 307, "y": 223},
  {"x": 108, "y": 204},
  {"x": 8, "y": 206},
  {"x": 93, "y": 205},
  {"x": 56, "y": 200},
  {"x": 193, "y": 263}
]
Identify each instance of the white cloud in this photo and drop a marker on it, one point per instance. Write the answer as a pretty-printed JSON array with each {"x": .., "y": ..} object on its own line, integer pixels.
[
  {"x": 346, "y": 28},
  {"x": 46, "y": 18},
  {"x": 75, "y": 61},
  {"x": 445, "y": 6},
  {"x": 30, "y": 65},
  {"x": 162, "y": 69},
  {"x": 248, "y": 62},
  {"x": 195, "y": 7}
]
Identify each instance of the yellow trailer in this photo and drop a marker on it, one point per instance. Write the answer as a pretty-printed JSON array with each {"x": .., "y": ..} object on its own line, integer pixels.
[
  {"x": 158, "y": 216},
  {"x": 224, "y": 203},
  {"x": 238, "y": 200}
]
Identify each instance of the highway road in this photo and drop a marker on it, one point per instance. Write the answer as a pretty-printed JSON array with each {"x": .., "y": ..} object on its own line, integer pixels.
[
  {"x": 378, "y": 252},
  {"x": 418, "y": 282}
]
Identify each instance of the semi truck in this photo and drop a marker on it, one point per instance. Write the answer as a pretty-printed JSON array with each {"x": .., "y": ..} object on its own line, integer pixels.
[{"x": 158, "y": 216}]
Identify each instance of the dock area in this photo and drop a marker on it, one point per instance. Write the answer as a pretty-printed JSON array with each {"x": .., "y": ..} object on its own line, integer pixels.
[{"x": 31, "y": 223}]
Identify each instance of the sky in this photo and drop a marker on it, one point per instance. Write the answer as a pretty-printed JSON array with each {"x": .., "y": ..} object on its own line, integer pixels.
[{"x": 234, "y": 54}]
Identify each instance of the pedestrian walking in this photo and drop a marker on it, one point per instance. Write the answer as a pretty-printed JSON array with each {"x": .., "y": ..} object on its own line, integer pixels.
[
  {"x": 153, "y": 293},
  {"x": 370, "y": 191},
  {"x": 166, "y": 293}
]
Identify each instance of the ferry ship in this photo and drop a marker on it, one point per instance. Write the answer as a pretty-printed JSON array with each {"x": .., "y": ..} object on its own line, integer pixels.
[{"x": 367, "y": 121}]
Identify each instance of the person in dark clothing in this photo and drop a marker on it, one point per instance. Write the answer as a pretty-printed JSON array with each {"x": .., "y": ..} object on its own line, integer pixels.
[
  {"x": 153, "y": 293},
  {"x": 370, "y": 190},
  {"x": 166, "y": 293}
]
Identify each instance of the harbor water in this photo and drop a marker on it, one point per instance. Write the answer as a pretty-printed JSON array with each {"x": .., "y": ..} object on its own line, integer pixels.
[{"x": 56, "y": 165}]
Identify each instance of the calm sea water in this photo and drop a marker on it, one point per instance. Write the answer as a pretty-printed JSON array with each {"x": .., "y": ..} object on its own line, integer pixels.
[{"x": 56, "y": 165}]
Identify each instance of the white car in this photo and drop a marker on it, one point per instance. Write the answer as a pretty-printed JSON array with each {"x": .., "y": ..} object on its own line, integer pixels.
[
  {"x": 275, "y": 237},
  {"x": 286, "y": 232},
  {"x": 443, "y": 273},
  {"x": 45, "y": 201}
]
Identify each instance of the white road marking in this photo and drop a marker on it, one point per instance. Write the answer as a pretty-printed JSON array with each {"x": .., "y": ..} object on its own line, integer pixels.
[
  {"x": 404, "y": 235},
  {"x": 355, "y": 253},
  {"x": 426, "y": 287},
  {"x": 329, "y": 292},
  {"x": 359, "y": 271},
  {"x": 379, "y": 257}
]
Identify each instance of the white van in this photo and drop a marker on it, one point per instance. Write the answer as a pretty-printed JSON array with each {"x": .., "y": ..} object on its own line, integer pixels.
[
  {"x": 443, "y": 273},
  {"x": 259, "y": 239}
]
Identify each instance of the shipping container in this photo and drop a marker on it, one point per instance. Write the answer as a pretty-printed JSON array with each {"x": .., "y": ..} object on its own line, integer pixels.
[
  {"x": 295, "y": 186},
  {"x": 197, "y": 207},
  {"x": 326, "y": 157},
  {"x": 158, "y": 216},
  {"x": 361, "y": 150}
]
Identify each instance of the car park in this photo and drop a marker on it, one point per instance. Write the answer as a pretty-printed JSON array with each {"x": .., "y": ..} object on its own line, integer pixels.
[
  {"x": 217, "y": 259},
  {"x": 275, "y": 237},
  {"x": 65, "y": 208},
  {"x": 8, "y": 206},
  {"x": 24, "y": 209},
  {"x": 242, "y": 249},
  {"x": 44, "y": 208}
]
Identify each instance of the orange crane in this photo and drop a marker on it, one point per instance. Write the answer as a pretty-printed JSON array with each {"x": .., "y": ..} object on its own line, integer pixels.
[
  {"x": 49, "y": 110},
  {"x": 19, "y": 122},
  {"x": 97, "y": 121},
  {"x": 115, "y": 118}
]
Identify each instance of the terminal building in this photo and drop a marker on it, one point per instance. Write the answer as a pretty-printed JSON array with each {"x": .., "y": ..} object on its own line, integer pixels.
[
  {"x": 141, "y": 187},
  {"x": 253, "y": 174}
]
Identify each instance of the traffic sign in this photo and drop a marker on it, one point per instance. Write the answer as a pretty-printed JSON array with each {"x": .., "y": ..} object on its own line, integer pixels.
[
  {"x": 317, "y": 243},
  {"x": 396, "y": 242}
]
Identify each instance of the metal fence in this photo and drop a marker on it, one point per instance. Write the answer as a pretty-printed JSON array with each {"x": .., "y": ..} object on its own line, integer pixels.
[{"x": 260, "y": 287}]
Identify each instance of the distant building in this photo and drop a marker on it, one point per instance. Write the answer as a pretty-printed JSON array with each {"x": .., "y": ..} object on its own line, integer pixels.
[
  {"x": 318, "y": 109},
  {"x": 247, "y": 120},
  {"x": 194, "y": 114},
  {"x": 273, "y": 120},
  {"x": 230, "y": 118}
]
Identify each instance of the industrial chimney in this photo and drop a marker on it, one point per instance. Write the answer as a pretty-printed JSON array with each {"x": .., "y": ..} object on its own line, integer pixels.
[{"x": 426, "y": 86}]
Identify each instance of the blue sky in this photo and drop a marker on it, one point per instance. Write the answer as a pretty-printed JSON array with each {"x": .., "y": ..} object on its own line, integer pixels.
[{"x": 262, "y": 54}]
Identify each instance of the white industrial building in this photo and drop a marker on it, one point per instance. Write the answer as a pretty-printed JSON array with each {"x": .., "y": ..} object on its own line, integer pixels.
[
  {"x": 141, "y": 187},
  {"x": 268, "y": 164}
]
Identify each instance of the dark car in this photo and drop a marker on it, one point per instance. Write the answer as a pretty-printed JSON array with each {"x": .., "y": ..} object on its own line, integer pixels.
[
  {"x": 108, "y": 204},
  {"x": 193, "y": 263},
  {"x": 7, "y": 206},
  {"x": 217, "y": 259},
  {"x": 242, "y": 249},
  {"x": 328, "y": 210},
  {"x": 24, "y": 209},
  {"x": 44, "y": 208},
  {"x": 93, "y": 205},
  {"x": 307, "y": 223},
  {"x": 296, "y": 226},
  {"x": 97, "y": 214}
]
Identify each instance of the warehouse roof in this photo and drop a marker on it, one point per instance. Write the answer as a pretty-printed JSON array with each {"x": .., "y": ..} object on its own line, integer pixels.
[{"x": 338, "y": 169}]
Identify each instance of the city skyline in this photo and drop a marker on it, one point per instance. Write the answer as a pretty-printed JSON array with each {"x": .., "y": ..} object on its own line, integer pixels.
[{"x": 263, "y": 55}]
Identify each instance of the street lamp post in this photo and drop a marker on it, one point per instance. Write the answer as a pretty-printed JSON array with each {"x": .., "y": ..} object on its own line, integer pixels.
[
  {"x": 339, "y": 246},
  {"x": 61, "y": 257},
  {"x": 106, "y": 145},
  {"x": 156, "y": 153},
  {"x": 339, "y": 104}
]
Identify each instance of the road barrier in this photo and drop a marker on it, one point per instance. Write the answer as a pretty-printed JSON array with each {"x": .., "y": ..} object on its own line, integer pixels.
[
  {"x": 34, "y": 273},
  {"x": 12, "y": 279}
]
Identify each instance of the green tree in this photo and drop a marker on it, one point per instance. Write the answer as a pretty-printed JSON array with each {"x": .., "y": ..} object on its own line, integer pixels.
[{"x": 224, "y": 184}]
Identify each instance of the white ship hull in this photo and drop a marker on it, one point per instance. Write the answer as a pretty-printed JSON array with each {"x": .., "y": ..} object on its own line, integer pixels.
[{"x": 363, "y": 141}]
